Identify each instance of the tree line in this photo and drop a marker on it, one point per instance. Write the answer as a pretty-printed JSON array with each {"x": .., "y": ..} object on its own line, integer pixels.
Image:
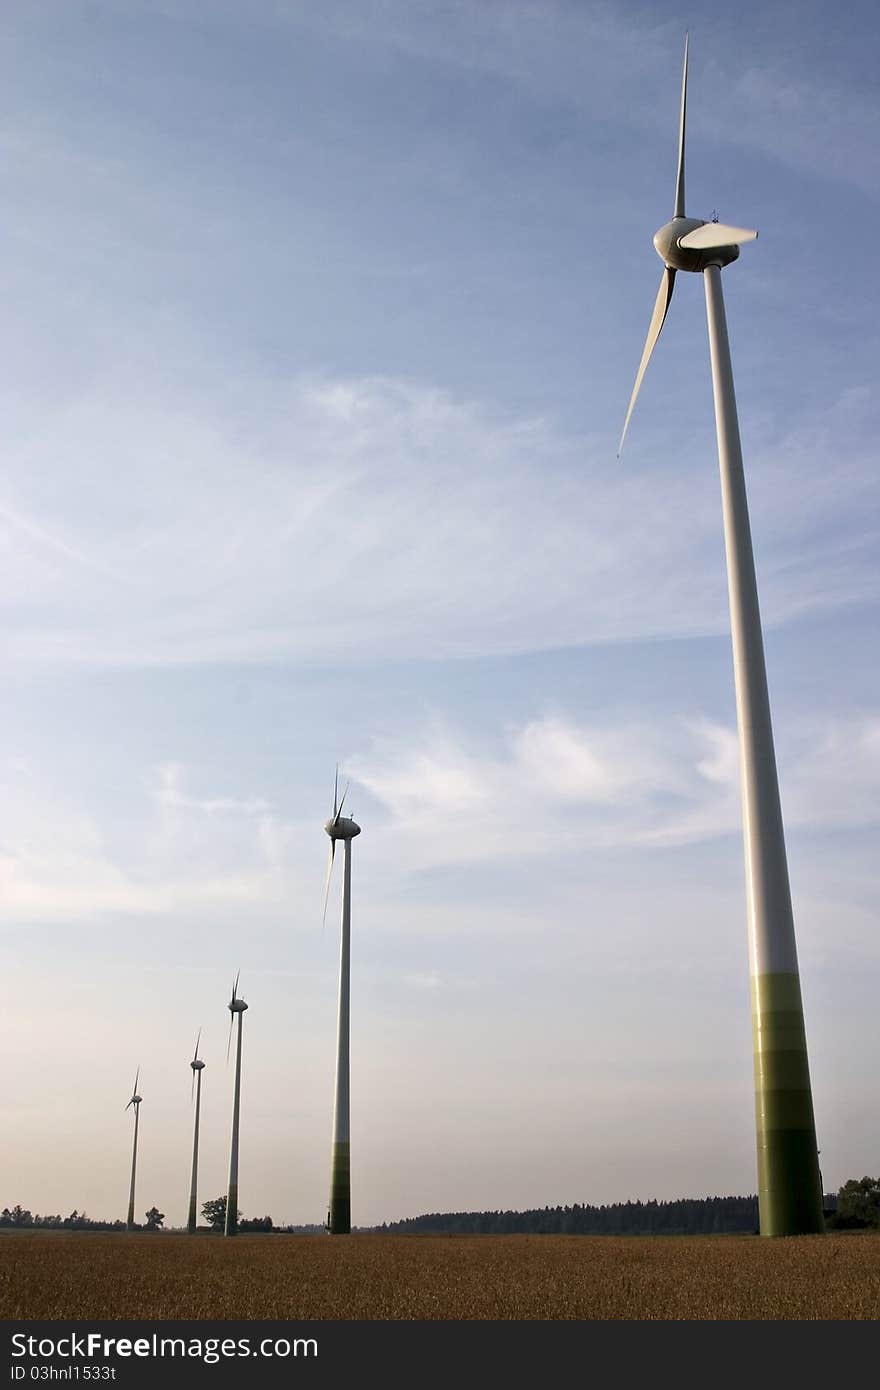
[
  {"x": 686, "y": 1217},
  {"x": 214, "y": 1213},
  {"x": 21, "y": 1218},
  {"x": 856, "y": 1206}
]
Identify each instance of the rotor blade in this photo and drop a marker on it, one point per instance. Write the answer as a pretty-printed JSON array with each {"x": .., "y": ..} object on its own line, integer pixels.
[
  {"x": 235, "y": 987},
  {"x": 192, "y": 1089},
  {"x": 135, "y": 1087},
  {"x": 196, "y": 1053},
  {"x": 713, "y": 234},
  {"x": 327, "y": 888},
  {"x": 341, "y": 804},
  {"x": 679, "y": 178},
  {"x": 661, "y": 305},
  {"x": 229, "y": 1039},
  {"x": 131, "y": 1102}
]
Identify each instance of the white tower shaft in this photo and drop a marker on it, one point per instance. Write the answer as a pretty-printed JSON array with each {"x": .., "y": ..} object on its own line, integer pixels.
[
  {"x": 232, "y": 1195},
  {"x": 771, "y": 924},
  {"x": 789, "y": 1184},
  {"x": 340, "y": 1164},
  {"x": 134, "y": 1153},
  {"x": 192, "y": 1221}
]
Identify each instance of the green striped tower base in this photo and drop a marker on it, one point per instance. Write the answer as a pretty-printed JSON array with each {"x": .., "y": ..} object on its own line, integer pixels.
[
  {"x": 340, "y": 1191},
  {"x": 231, "y": 1228},
  {"x": 789, "y": 1182}
]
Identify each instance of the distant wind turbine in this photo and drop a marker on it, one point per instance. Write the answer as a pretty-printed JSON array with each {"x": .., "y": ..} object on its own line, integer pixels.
[
  {"x": 235, "y": 1006},
  {"x": 197, "y": 1067},
  {"x": 136, "y": 1102},
  {"x": 789, "y": 1182},
  {"x": 340, "y": 827}
]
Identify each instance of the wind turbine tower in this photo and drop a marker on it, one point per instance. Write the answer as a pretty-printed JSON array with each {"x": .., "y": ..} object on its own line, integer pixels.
[
  {"x": 789, "y": 1182},
  {"x": 136, "y": 1102},
  {"x": 197, "y": 1068},
  {"x": 343, "y": 828},
  {"x": 235, "y": 1006}
]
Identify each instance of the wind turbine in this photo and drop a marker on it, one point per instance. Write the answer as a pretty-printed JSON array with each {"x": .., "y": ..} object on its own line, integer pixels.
[
  {"x": 789, "y": 1182},
  {"x": 197, "y": 1067},
  {"x": 136, "y": 1102},
  {"x": 235, "y": 1006},
  {"x": 340, "y": 827}
]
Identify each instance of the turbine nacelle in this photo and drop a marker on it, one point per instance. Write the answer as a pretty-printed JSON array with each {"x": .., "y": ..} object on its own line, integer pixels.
[
  {"x": 197, "y": 1063},
  {"x": 668, "y": 245},
  {"x": 236, "y": 1004},
  {"x": 342, "y": 828},
  {"x": 135, "y": 1098},
  {"x": 338, "y": 827}
]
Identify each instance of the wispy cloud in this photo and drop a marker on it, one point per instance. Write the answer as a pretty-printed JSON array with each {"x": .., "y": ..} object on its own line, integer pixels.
[
  {"x": 551, "y": 786},
  {"x": 606, "y": 59},
  {"x": 338, "y": 518},
  {"x": 556, "y": 785},
  {"x": 170, "y": 794},
  {"x": 174, "y": 852},
  {"x": 816, "y": 125}
]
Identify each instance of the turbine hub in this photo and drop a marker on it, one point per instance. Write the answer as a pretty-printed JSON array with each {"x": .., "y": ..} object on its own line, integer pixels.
[
  {"x": 235, "y": 1006},
  {"x": 685, "y": 258},
  {"x": 342, "y": 828},
  {"x": 197, "y": 1066}
]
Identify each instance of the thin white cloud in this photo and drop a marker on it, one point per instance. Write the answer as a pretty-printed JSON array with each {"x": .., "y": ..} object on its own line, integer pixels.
[
  {"x": 552, "y": 786},
  {"x": 59, "y": 863},
  {"x": 815, "y": 125},
  {"x": 606, "y": 60},
  {"x": 337, "y": 519},
  {"x": 837, "y": 781},
  {"x": 429, "y": 980},
  {"x": 558, "y": 785},
  {"x": 169, "y": 793},
  {"x": 720, "y": 762}
]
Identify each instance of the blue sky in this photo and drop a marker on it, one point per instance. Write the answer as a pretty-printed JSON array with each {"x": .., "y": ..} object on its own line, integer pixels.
[{"x": 321, "y": 322}]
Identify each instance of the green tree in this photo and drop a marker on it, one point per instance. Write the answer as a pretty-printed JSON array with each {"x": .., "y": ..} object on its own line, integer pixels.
[
  {"x": 214, "y": 1213},
  {"x": 155, "y": 1217},
  {"x": 257, "y": 1223},
  {"x": 858, "y": 1203}
]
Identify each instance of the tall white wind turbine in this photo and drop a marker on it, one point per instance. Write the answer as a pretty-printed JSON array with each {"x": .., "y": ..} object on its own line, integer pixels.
[
  {"x": 340, "y": 827},
  {"x": 136, "y": 1102},
  {"x": 197, "y": 1068},
  {"x": 235, "y": 1006},
  {"x": 789, "y": 1182}
]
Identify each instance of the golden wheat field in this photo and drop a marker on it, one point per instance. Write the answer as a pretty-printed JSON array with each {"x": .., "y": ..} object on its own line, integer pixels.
[{"x": 85, "y": 1275}]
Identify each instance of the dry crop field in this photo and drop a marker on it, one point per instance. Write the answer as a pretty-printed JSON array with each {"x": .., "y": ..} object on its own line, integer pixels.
[{"x": 86, "y": 1275}]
